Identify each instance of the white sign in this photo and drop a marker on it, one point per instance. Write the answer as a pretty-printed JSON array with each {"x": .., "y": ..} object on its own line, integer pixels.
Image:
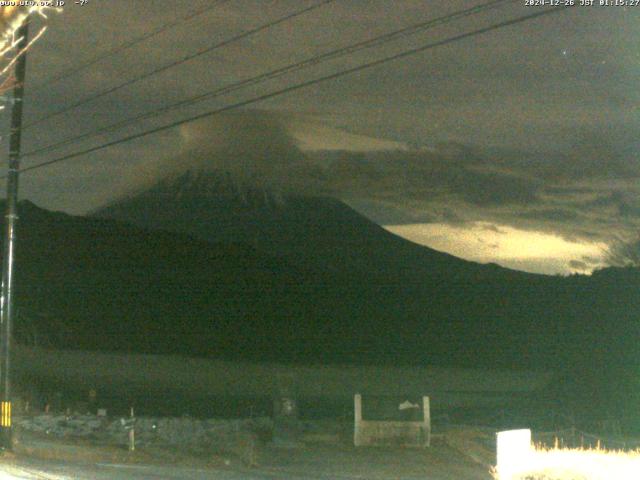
[{"x": 513, "y": 451}]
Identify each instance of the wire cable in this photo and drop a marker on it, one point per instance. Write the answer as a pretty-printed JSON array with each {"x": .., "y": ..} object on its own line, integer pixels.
[
  {"x": 278, "y": 72},
  {"x": 176, "y": 63},
  {"x": 302, "y": 85},
  {"x": 125, "y": 46}
]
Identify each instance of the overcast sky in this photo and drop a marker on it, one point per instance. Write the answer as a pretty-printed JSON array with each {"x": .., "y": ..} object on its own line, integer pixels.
[{"x": 518, "y": 146}]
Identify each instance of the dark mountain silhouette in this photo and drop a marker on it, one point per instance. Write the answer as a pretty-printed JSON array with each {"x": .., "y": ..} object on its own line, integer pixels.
[
  {"x": 97, "y": 283},
  {"x": 108, "y": 285},
  {"x": 112, "y": 286},
  {"x": 375, "y": 297},
  {"x": 310, "y": 231},
  {"x": 369, "y": 294}
]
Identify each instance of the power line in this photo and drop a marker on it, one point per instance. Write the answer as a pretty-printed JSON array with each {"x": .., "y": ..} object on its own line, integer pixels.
[
  {"x": 302, "y": 85},
  {"x": 296, "y": 66},
  {"x": 126, "y": 46},
  {"x": 181, "y": 61}
]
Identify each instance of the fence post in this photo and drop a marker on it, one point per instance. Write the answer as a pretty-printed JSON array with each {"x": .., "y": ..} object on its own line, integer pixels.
[
  {"x": 426, "y": 408},
  {"x": 357, "y": 399},
  {"x": 132, "y": 433}
]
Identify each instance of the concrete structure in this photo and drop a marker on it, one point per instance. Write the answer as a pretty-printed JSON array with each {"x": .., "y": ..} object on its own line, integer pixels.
[{"x": 413, "y": 433}]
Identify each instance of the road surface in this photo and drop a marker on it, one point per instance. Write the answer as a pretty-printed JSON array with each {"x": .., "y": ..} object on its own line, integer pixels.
[
  {"x": 41, "y": 470},
  {"x": 56, "y": 460}
]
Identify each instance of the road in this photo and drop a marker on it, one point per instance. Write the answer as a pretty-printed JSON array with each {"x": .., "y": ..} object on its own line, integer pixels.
[
  {"x": 53, "y": 470},
  {"x": 57, "y": 460},
  {"x": 40, "y": 470}
]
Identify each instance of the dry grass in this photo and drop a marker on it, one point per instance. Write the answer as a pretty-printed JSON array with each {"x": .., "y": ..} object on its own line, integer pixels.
[{"x": 542, "y": 463}]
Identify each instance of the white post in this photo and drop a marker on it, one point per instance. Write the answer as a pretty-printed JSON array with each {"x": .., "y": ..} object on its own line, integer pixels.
[
  {"x": 357, "y": 417},
  {"x": 132, "y": 434},
  {"x": 426, "y": 408}
]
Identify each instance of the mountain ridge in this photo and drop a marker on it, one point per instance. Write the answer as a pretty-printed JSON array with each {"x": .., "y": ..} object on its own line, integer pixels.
[
  {"x": 291, "y": 226},
  {"x": 86, "y": 283}
]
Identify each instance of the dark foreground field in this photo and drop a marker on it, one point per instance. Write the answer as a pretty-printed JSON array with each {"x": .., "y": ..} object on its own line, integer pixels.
[
  {"x": 322, "y": 453},
  {"x": 317, "y": 457}
]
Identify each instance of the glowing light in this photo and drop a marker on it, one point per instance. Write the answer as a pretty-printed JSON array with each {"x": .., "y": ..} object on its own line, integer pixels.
[
  {"x": 11, "y": 18},
  {"x": 513, "y": 451}
]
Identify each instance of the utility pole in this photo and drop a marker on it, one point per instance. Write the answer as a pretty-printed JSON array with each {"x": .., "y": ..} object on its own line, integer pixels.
[{"x": 11, "y": 217}]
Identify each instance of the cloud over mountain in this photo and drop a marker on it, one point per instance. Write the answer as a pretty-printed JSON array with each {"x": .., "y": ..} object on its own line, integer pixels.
[{"x": 558, "y": 193}]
